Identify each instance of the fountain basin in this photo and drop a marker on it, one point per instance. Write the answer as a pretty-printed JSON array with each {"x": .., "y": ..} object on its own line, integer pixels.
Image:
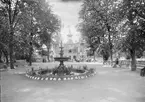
[
  {"x": 75, "y": 74},
  {"x": 61, "y": 58}
]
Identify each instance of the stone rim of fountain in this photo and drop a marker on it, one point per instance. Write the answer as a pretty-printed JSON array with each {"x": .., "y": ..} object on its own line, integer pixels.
[{"x": 62, "y": 78}]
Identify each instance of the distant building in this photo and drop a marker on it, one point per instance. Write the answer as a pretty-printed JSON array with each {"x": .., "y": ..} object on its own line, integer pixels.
[
  {"x": 71, "y": 49},
  {"x": 74, "y": 50}
]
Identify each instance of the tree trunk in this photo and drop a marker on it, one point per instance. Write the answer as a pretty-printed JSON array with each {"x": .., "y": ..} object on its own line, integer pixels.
[
  {"x": 94, "y": 55},
  {"x": 7, "y": 60},
  {"x": 111, "y": 56},
  {"x": 11, "y": 51},
  {"x": 11, "y": 56},
  {"x": 110, "y": 51},
  {"x": 30, "y": 49},
  {"x": 30, "y": 58},
  {"x": 6, "y": 56},
  {"x": 12, "y": 13},
  {"x": 30, "y": 54},
  {"x": 110, "y": 43},
  {"x": 48, "y": 54},
  {"x": 133, "y": 60},
  {"x": 1, "y": 57}
]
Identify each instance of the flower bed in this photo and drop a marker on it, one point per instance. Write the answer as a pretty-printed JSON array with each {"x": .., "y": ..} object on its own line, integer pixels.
[{"x": 37, "y": 75}]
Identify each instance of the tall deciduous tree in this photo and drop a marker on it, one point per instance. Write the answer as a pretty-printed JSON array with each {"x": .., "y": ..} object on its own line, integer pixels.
[
  {"x": 50, "y": 25},
  {"x": 27, "y": 21},
  {"x": 3, "y": 37},
  {"x": 132, "y": 19},
  {"x": 12, "y": 10},
  {"x": 99, "y": 20}
]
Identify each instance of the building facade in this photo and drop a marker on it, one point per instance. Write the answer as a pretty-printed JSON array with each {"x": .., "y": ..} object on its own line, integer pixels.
[{"x": 75, "y": 50}]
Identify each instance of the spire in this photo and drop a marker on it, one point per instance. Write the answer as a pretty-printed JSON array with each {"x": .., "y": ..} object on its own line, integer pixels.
[
  {"x": 69, "y": 36},
  {"x": 69, "y": 33}
]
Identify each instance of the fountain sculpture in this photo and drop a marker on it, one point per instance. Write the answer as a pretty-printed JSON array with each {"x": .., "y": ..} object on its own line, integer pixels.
[{"x": 61, "y": 70}]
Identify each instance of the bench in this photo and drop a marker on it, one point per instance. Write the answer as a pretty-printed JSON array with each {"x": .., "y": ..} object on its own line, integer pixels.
[
  {"x": 125, "y": 63},
  {"x": 141, "y": 66},
  {"x": 107, "y": 62},
  {"x": 20, "y": 63},
  {"x": 121, "y": 63}
]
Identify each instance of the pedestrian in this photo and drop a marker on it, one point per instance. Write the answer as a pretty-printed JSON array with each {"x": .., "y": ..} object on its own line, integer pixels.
[{"x": 116, "y": 63}]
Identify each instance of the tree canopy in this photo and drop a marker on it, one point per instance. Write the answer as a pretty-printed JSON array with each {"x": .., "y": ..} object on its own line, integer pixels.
[
  {"x": 26, "y": 25},
  {"x": 98, "y": 22},
  {"x": 119, "y": 23}
]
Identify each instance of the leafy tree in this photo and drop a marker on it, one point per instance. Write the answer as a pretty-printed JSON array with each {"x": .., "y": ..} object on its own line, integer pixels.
[
  {"x": 132, "y": 21},
  {"x": 99, "y": 21},
  {"x": 50, "y": 25},
  {"x": 3, "y": 38},
  {"x": 103, "y": 50},
  {"x": 37, "y": 26},
  {"x": 28, "y": 25},
  {"x": 43, "y": 52},
  {"x": 11, "y": 10}
]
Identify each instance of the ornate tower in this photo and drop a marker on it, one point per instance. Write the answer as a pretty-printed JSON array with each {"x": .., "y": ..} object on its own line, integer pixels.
[{"x": 69, "y": 37}]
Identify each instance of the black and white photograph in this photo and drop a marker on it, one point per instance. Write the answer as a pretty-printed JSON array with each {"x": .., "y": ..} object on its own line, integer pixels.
[{"x": 72, "y": 50}]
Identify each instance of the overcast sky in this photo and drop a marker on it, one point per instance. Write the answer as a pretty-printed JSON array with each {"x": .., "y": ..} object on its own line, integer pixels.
[{"x": 68, "y": 13}]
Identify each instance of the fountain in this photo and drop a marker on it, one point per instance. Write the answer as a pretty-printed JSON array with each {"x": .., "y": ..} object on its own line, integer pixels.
[{"x": 61, "y": 72}]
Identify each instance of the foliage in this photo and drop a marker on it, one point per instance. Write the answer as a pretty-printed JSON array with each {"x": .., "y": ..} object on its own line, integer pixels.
[
  {"x": 103, "y": 50},
  {"x": 4, "y": 41},
  {"x": 132, "y": 21},
  {"x": 43, "y": 52},
  {"x": 50, "y": 25},
  {"x": 98, "y": 22},
  {"x": 25, "y": 25},
  {"x": 10, "y": 11},
  {"x": 117, "y": 24}
]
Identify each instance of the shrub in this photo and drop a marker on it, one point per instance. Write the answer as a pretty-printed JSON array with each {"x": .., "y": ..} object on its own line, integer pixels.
[
  {"x": 91, "y": 70},
  {"x": 85, "y": 67},
  {"x": 44, "y": 71},
  {"x": 79, "y": 71},
  {"x": 33, "y": 73}
]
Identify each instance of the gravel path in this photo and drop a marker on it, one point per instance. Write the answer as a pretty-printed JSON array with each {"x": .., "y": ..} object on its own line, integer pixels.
[{"x": 108, "y": 85}]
